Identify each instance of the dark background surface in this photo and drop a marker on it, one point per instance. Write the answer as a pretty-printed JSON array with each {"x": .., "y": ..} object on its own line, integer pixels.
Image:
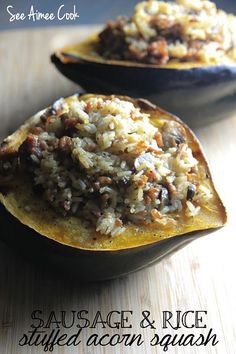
[{"x": 91, "y": 11}]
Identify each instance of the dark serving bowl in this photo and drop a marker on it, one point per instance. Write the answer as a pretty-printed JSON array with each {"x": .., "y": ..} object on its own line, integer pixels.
[{"x": 199, "y": 94}]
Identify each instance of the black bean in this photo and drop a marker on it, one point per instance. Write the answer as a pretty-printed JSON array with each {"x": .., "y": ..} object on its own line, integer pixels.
[
  {"x": 172, "y": 139},
  {"x": 191, "y": 191},
  {"x": 164, "y": 197}
]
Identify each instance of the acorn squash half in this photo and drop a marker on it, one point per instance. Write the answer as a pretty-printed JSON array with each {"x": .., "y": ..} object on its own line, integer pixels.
[
  {"x": 64, "y": 242},
  {"x": 199, "y": 94}
]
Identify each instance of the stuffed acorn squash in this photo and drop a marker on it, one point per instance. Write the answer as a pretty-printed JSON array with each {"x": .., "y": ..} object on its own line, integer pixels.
[
  {"x": 181, "y": 55},
  {"x": 106, "y": 185}
]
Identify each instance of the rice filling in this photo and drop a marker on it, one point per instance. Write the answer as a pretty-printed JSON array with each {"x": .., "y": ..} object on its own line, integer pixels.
[
  {"x": 102, "y": 159},
  {"x": 160, "y": 32}
]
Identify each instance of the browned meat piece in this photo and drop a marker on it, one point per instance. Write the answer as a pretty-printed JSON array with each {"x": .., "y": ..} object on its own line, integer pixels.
[
  {"x": 112, "y": 40},
  {"x": 65, "y": 144}
]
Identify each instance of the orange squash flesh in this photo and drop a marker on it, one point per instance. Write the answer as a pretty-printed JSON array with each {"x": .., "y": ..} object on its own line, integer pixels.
[{"x": 86, "y": 51}]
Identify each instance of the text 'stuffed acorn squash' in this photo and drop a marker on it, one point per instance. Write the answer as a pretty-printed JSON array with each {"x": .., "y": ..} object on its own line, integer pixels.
[{"x": 101, "y": 186}]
